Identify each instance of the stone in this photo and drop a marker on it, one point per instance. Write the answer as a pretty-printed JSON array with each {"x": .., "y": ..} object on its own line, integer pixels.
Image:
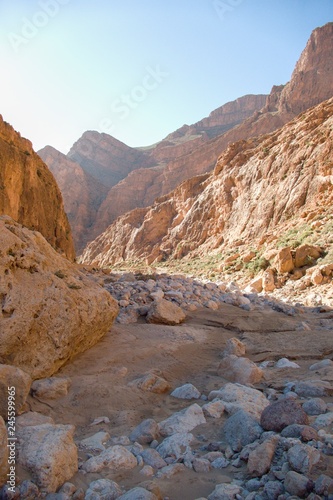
[
  {"x": 297, "y": 484},
  {"x": 260, "y": 459},
  {"x": 100, "y": 420},
  {"x": 20, "y": 381},
  {"x": 66, "y": 314},
  {"x": 214, "y": 409},
  {"x": 323, "y": 421},
  {"x": 284, "y": 260},
  {"x": 313, "y": 388},
  {"x": 316, "y": 277},
  {"x": 268, "y": 280},
  {"x": 285, "y": 363},
  {"x": 49, "y": 453},
  {"x": 32, "y": 418},
  {"x": 306, "y": 254},
  {"x": 235, "y": 347},
  {"x": 146, "y": 432},
  {"x": 273, "y": 489},
  {"x": 170, "y": 470},
  {"x": 325, "y": 363},
  {"x": 176, "y": 445},
  {"x": 96, "y": 442},
  {"x": 50, "y": 388},
  {"x": 280, "y": 414},
  {"x": 103, "y": 489},
  {"x": 166, "y": 313},
  {"x": 240, "y": 370},
  {"x": 4, "y": 466},
  {"x": 153, "y": 458},
  {"x": 220, "y": 463},
  {"x": 324, "y": 485},
  {"x": 302, "y": 458},
  {"x": 116, "y": 458},
  {"x": 237, "y": 397},
  {"x": 201, "y": 465},
  {"x": 187, "y": 391},
  {"x": 303, "y": 432},
  {"x": 314, "y": 406},
  {"x": 29, "y": 490},
  {"x": 225, "y": 492},
  {"x": 151, "y": 382},
  {"x": 182, "y": 421},
  {"x": 138, "y": 494},
  {"x": 241, "y": 429}
]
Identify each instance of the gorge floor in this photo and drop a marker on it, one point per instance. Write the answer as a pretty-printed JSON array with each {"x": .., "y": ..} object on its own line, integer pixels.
[{"x": 186, "y": 353}]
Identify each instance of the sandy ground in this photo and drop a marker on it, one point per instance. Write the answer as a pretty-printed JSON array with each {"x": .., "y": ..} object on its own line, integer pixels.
[{"x": 186, "y": 353}]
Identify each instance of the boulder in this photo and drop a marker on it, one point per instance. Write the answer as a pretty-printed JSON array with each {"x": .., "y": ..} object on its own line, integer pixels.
[
  {"x": 151, "y": 382},
  {"x": 240, "y": 397},
  {"x": 66, "y": 314},
  {"x": 260, "y": 459},
  {"x": 146, "y": 432},
  {"x": 187, "y": 391},
  {"x": 19, "y": 381},
  {"x": 240, "y": 370},
  {"x": 313, "y": 388},
  {"x": 32, "y": 418},
  {"x": 114, "y": 458},
  {"x": 49, "y": 453},
  {"x": 50, "y": 388},
  {"x": 297, "y": 484},
  {"x": 315, "y": 406},
  {"x": 282, "y": 413},
  {"x": 268, "y": 280},
  {"x": 176, "y": 445},
  {"x": 284, "y": 260},
  {"x": 103, "y": 489},
  {"x": 214, "y": 409},
  {"x": 235, "y": 347},
  {"x": 164, "y": 312},
  {"x": 302, "y": 458},
  {"x": 138, "y": 494},
  {"x": 182, "y": 421},
  {"x": 241, "y": 429},
  {"x": 225, "y": 492},
  {"x": 153, "y": 458},
  {"x": 324, "y": 485},
  {"x": 95, "y": 442},
  {"x": 306, "y": 254},
  {"x": 4, "y": 453}
]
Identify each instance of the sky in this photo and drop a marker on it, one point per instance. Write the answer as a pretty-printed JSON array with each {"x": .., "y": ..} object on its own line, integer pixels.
[{"x": 140, "y": 69}]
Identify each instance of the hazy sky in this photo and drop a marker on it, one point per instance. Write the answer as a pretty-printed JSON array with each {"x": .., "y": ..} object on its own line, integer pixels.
[{"x": 139, "y": 69}]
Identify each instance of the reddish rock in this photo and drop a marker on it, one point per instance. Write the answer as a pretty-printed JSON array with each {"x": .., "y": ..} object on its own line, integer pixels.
[
  {"x": 279, "y": 415},
  {"x": 29, "y": 193}
]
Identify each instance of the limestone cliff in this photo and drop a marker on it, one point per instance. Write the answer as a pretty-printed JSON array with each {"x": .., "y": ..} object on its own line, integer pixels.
[
  {"x": 29, "y": 193},
  {"x": 257, "y": 187}
]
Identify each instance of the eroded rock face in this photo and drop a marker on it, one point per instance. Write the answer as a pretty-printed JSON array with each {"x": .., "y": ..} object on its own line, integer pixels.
[
  {"x": 29, "y": 193},
  {"x": 66, "y": 314},
  {"x": 254, "y": 186}
]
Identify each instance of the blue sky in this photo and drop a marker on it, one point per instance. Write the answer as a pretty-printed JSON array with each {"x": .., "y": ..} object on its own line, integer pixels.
[{"x": 139, "y": 69}]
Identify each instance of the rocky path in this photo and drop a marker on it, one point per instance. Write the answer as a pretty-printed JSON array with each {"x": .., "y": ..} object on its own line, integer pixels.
[{"x": 251, "y": 417}]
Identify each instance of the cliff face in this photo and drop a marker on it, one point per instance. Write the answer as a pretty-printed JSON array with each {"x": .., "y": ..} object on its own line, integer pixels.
[
  {"x": 136, "y": 177},
  {"x": 29, "y": 193},
  {"x": 82, "y": 193},
  {"x": 258, "y": 185}
]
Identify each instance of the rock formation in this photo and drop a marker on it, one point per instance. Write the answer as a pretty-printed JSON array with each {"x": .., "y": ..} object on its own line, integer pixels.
[
  {"x": 257, "y": 188},
  {"x": 50, "y": 311},
  {"x": 29, "y": 193},
  {"x": 142, "y": 175},
  {"x": 83, "y": 194}
]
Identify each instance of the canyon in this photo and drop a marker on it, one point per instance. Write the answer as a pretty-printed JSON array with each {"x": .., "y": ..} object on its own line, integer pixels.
[{"x": 188, "y": 353}]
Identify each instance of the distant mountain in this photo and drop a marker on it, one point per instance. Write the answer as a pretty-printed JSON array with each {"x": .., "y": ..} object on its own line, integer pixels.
[{"x": 149, "y": 173}]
